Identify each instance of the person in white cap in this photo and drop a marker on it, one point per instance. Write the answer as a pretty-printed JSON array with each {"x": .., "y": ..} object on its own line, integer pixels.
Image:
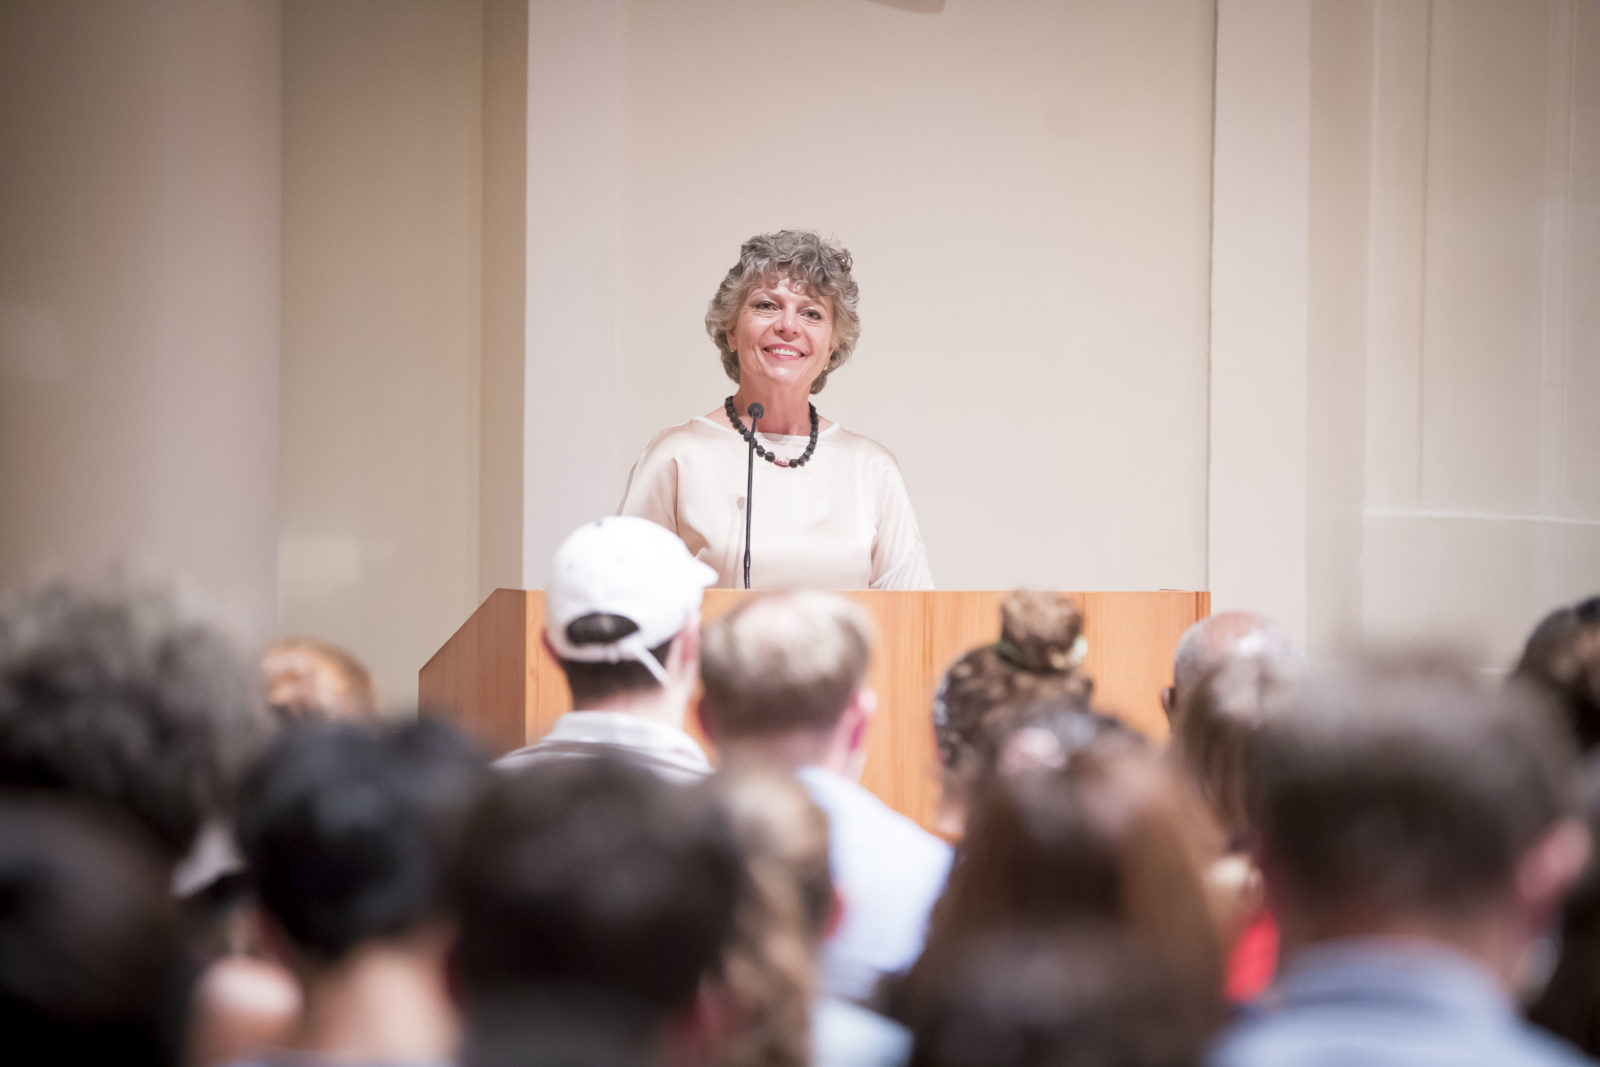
[{"x": 622, "y": 617}]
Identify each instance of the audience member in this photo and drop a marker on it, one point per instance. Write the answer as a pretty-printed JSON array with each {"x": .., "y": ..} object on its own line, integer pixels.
[
  {"x": 596, "y": 886},
  {"x": 1569, "y": 1004},
  {"x": 1215, "y": 640},
  {"x": 993, "y": 691},
  {"x": 346, "y": 830},
  {"x": 772, "y": 966},
  {"x": 1075, "y": 997},
  {"x": 93, "y": 968},
  {"x": 122, "y": 699},
  {"x": 1415, "y": 840},
  {"x": 622, "y": 616},
  {"x": 1054, "y": 732},
  {"x": 1108, "y": 838},
  {"x": 313, "y": 678},
  {"x": 786, "y": 681},
  {"x": 1221, "y": 713},
  {"x": 1563, "y": 656}
]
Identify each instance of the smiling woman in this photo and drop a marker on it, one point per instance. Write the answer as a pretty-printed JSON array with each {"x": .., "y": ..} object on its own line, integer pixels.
[{"x": 832, "y": 511}]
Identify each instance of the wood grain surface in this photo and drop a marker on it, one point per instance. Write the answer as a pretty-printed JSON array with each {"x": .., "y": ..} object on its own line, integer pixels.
[{"x": 495, "y": 678}]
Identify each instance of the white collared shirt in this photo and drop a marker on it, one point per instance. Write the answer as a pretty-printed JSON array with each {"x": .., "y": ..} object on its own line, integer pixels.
[
  {"x": 665, "y": 749},
  {"x": 888, "y": 872}
]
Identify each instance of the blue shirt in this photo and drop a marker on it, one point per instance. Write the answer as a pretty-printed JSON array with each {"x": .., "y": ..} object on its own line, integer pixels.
[{"x": 1382, "y": 1002}]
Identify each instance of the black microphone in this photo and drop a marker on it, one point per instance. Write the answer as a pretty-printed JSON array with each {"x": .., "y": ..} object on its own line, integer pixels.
[{"x": 755, "y": 411}]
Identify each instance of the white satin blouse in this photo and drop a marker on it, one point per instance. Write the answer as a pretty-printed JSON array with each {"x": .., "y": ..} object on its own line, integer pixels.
[{"x": 842, "y": 521}]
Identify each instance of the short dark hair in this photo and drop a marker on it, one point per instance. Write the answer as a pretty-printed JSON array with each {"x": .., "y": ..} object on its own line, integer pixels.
[
  {"x": 1404, "y": 783},
  {"x": 1563, "y": 656},
  {"x": 1074, "y": 997},
  {"x": 120, "y": 697},
  {"x": 596, "y": 683},
  {"x": 1569, "y": 1004},
  {"x": 595, "y": 873},
  {"x": 346, "y": 828},
  {"x": 93, "y": 967}
]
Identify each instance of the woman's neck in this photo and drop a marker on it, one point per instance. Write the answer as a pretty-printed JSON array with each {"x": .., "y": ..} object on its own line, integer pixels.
[
  {"x": 385, "y": 1004},
  {"x": 786, "y": 412}
]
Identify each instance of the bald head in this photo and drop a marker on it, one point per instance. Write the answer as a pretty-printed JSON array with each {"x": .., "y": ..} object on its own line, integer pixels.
[{"x": 1225, "y": 637}]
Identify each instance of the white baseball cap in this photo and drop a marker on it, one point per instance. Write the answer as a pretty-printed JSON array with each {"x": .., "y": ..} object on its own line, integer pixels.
[{"x": 627, "y": 566}]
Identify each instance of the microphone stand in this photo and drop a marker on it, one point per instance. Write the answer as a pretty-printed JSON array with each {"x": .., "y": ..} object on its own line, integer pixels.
[{"x": 755, "y": 412}]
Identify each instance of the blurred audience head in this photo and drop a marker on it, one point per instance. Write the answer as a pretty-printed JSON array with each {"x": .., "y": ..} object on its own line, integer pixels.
[
  {"x": 771, "y": 965},
  {"x": 1563, "y": 656},
  {"x": 306, "y": 678},
  {"x": 1215, "y": 640},
  {"x": 622, "y": 613},
  {"x": 1110, "y": 836},
  {"x": 93, "y": 967},
  {"x": 787, "y": 673},
  {"x": 123, "y": 698},
  {"x": 1081, "y": 996},
  {"x": 1569, "y": 1004},
  {"x": 1405, "y": 796},
  {"x": 594, "y": 878},
  {"x": 992, "y": 691},
  {"x": 346, "y": 830},
  {"x": 1220, "y": 714}
]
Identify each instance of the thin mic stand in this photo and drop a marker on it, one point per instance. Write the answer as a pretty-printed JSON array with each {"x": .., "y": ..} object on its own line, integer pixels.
[{"x": 755, "y": 412}]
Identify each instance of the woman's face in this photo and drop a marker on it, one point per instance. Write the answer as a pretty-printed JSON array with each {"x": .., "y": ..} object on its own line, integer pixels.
[{"x": 782, "y": 335}]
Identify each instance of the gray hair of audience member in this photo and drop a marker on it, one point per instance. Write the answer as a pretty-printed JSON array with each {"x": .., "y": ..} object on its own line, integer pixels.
[
  {"x": 123, "y": 697},
  {"x": 1218, "y": 718},
  {"x": 784, "y": 662},
  {"x": 1405, "y": 784},
  {"x": 93, "y": 965},
  {"x": 1087, "y": 995},
  {"x": 808, "y": 263},
  {"x": 1216, "y": 639}
]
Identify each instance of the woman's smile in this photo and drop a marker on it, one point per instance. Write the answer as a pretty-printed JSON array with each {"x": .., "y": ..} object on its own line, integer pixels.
[{"x": 783, "y": 333}]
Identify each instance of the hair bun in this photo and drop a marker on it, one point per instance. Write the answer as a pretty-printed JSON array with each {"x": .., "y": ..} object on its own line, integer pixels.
[{"x": 1041, "y": 632}]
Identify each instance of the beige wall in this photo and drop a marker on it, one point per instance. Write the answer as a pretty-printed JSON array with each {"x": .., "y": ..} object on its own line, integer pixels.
[
  {"x": 1450, "y": 234},
  {"x": 1366, "y": 403},
  {"x": 1026, "y": 189},
  {"x": 382, "y": 187},
  {"x": 1482, "y": 449},
  {"x": 139, "y": 244}
]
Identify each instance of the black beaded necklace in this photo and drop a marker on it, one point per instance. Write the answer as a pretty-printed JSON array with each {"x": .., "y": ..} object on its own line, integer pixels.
[{"x": 744, "y": 432}]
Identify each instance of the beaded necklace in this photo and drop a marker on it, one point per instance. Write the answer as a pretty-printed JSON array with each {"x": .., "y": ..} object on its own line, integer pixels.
[{"x": 749, "y": 436}]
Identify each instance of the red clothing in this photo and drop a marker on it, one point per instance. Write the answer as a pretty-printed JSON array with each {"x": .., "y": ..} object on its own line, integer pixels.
[{"x": 1254, "y": 959}]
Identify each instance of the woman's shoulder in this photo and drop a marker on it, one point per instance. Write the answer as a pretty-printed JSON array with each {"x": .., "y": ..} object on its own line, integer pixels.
[
  {"x": 864, "y": 447},
  {"x": 696, "y": 433}
]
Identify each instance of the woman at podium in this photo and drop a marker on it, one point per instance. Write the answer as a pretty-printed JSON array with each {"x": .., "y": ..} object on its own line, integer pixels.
[{"x": 831, "y": 508}]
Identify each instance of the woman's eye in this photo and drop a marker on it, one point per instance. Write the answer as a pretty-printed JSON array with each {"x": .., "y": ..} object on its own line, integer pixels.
[
  {"x": 764, "y": 305},
  {"x": 814, "y": 314}
]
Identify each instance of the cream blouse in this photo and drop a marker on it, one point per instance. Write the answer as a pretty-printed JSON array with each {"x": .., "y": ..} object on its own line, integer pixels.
[{"x": 842, "y": 521}]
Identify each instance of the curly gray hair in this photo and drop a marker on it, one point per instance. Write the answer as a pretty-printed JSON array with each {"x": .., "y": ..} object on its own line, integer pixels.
[{"x": 810, "y": 263}]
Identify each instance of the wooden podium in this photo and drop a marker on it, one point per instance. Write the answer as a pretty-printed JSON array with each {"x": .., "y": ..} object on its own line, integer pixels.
[{"x": 494, "y": 678}]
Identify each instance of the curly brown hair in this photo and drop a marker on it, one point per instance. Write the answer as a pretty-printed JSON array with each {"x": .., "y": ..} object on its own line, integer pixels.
[{"x": 994, "y": 690}]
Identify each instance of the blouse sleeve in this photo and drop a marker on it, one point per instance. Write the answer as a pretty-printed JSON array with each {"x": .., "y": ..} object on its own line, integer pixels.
[
  {"x": 652, "y": 490},
  {"x": 899, "y": 558}
]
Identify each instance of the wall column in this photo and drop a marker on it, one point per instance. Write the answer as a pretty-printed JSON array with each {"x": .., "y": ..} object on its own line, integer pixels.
[
  {"x": 139, "y": 282},
  {"x": 1256, "y": 525}
]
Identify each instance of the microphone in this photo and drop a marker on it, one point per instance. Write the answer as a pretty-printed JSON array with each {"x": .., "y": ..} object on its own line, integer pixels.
[{"x": 755, "y": 411}]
